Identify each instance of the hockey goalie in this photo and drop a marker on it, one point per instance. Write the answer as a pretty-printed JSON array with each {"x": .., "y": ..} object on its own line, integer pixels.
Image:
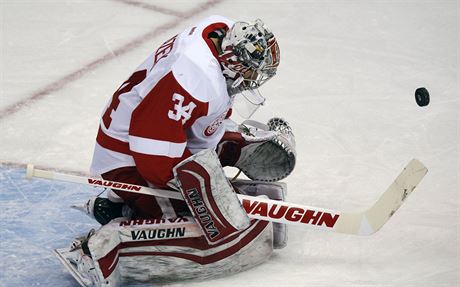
[{"x": 168, "y": 126}]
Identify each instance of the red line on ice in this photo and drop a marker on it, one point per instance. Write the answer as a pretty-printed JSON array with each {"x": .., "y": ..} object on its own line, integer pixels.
[
  {"x": 62, "y": 82},
  {"x": 153, "y": 8}
]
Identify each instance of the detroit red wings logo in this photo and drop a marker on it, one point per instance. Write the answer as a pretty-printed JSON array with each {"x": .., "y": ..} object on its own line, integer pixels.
[{"x": 212, "y": 128}]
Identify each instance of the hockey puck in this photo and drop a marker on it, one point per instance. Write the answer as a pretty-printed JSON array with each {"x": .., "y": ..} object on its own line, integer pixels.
[{"x": 422, "y": 97}]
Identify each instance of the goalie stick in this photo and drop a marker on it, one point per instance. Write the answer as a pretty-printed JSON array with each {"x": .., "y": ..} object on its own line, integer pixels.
[{"x": 365, "y": 222}]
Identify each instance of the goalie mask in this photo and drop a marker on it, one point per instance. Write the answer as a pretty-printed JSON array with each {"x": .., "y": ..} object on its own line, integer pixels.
[
  {"x": 250, "y": 57},
  {"x": 250, "y": 54}
]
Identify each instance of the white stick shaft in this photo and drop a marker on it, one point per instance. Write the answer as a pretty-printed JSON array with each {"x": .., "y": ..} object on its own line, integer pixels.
[
  {"x": 360, "y": 223},
  {"x": 256, "y": 207},
  {"x": 98, "y": 182}
]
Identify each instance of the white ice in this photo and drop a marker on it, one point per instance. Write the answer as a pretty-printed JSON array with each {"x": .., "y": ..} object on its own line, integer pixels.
[{"x": 346, "y": 83}]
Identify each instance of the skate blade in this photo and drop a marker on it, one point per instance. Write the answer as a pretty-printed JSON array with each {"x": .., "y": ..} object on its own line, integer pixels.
[{"x": 59, "y": 253}]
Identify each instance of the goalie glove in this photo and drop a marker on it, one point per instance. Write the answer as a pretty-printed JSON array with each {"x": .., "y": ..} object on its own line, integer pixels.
[{"x": 262, "y": 152}]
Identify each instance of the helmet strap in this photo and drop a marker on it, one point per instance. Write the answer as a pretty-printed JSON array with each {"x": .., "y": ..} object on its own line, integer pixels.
[{"x": 237, "y": 82}]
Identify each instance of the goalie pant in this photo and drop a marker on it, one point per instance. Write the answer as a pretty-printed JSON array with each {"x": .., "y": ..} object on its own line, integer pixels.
[{"x": 162, "y": 250}]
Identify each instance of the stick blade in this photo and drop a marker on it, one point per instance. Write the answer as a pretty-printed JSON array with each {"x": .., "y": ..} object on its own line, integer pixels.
[{"x": 371, "y": 220}]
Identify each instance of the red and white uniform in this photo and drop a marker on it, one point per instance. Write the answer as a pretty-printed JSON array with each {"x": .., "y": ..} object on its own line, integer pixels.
[
  {"x": 172, "y": 106},
  {"x": 169, "y": 109}
]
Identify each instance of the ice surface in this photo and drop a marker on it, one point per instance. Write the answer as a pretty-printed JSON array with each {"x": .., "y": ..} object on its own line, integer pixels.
[
  {"x": 35, "y": 218},
  {"x": 346, "y": 84}
]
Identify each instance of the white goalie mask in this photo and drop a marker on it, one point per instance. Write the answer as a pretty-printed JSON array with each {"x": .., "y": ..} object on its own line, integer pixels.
[
  {"x": 250, "y": 54},
  {"x": 250, "y": 57}
]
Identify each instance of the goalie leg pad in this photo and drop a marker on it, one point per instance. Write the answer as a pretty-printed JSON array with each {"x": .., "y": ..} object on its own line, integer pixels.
[
  {"x": 210, "y": 196},
  {"x": 168, "y": 250},
  {"x": 275, "y": 191}
]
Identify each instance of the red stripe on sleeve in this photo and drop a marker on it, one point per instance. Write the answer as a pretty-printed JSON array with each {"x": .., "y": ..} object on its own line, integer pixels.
[
  {"x": 157, "y": 169},
  {"x": 112, "y": 143}
]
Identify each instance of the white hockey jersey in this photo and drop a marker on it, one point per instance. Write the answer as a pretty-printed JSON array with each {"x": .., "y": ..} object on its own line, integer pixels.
[{"x": 172, "y": 106}]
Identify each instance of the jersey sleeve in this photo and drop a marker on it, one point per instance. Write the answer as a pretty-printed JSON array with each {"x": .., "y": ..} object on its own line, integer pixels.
[{"x": 157, "y": 133}]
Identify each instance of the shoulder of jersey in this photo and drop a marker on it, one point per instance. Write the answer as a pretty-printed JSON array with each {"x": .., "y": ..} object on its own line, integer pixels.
[{"x": 196, "y": 69}]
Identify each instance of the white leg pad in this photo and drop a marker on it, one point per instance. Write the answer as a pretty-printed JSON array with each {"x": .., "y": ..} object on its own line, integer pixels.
[
  {"x": 156, "y": 251},
  {"x": 210, "y": 196}
]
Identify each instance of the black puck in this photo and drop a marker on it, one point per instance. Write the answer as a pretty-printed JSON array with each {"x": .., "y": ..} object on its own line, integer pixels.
[{"x": 422, "y": 97}]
